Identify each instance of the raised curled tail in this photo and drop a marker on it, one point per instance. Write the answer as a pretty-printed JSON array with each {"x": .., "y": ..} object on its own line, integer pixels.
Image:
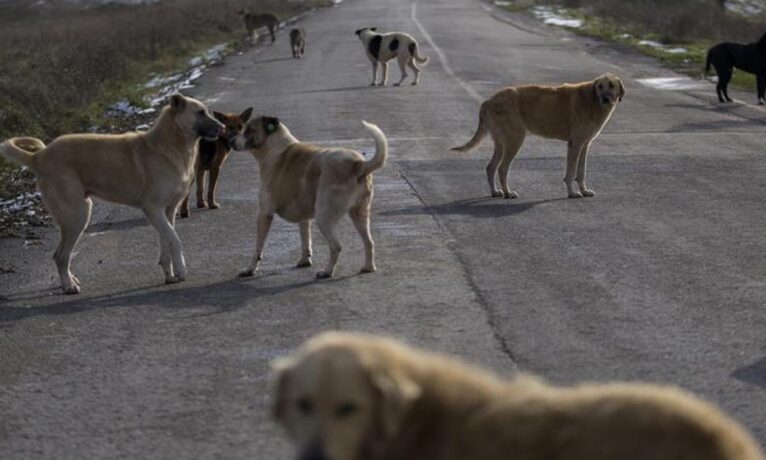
[
  {"x": 414, "y": 51},
  {"x": 381, "y": 150},
  {"x": 481, "y": 132},
  {"x": 21, "y": 150}
]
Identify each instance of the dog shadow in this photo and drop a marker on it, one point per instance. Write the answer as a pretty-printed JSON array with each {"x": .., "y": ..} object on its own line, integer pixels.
[
  {"x": 754, "y": 374},
  {"x": 227, "y": 296},
  {"x": 337, "y": 90},
  {"x": 481, "y": 208},
  {"x": 116, "y": 226},
  {"x": 267, "y": 61}
]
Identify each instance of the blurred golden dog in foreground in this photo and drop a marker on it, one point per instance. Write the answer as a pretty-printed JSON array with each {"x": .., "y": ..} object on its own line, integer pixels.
[{"x": 359, "y": 397}]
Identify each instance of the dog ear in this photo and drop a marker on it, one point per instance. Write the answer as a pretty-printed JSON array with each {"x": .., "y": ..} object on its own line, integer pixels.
[
  {"x": 281, "y": 370},
  {"x": 270, "y": 124},
  {"x": 246, "y": 114},
  {"x": 359, "y": 31},
  {"x": 395, "y": 395},
  {"x": 622, "y": 90},
  {"x": 177, "y": 102},
  {"x": 219, "y": 116}
]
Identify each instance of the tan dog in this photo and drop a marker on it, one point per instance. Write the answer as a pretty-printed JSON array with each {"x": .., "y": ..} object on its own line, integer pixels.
[
  {"x": 151, "y": 171},
  {"x": 358, "y": 397},
  {"x": 575, "y": 113},
  {"x": 301, "y": 182}
]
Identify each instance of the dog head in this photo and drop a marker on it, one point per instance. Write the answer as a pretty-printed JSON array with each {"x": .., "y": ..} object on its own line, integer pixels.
[
  {"x": 233, "y": 123},
  {"x": 257, "y": 133},
  {"x": 340, "y": 399},
  {"x": 359, "y": 33},
  {"x": 608, "y": 89},
  {"x": 194, "y": 118}
]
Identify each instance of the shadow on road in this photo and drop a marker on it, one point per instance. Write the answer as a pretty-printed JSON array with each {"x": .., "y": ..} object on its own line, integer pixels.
[
  {"x": 754, "y": 374},
  {"x": 266, "y": 61},
  {"x": 120, "y": 225},
  {"x": 221, "y": 297},
  {"x": 475, "y": 207},
  {"x": 335, "y": 90}
]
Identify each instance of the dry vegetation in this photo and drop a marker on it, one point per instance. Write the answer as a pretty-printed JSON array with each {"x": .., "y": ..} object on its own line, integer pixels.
[{"x": 676, "y": 21}]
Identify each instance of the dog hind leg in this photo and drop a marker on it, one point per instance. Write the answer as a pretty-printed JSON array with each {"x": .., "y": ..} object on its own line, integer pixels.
[
  {"x": 305, "y": 228},
  {"x": 494, "y": 192},
  {"x": 724, "y": 77},
  {"x": 171, "y": 250},
  {"x": 330, "y": 208},
  {"x": 212, "y": 183},
  {"x": 510, "y": 150},
  {"x": 402, "y": 68},
  {"x": 414, "y": 66},
  {"x": 761, "y": 89},
  {"x": 200, "y": 179},
  {"x": 360, "y": 215},
  {"x": 374, "y": 72},
  {"x": 384, "y": 65}
]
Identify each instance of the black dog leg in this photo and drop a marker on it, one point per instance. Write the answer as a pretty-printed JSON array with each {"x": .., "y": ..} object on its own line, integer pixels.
[{"x": 761, "y": 89}]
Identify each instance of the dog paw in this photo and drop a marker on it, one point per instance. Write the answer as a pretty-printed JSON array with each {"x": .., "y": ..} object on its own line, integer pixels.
[
  {"x": 368, "y": 269},
  {"x": 575, "y": 195},
  {"x": 303, "y": 263},
  {"x": 373, "y": 84},
  {"x": 397, "y": 84},
  {"x": 184, "y": 214},
  {"x": 588, "y": 193},
  {"x": 171, "y": 280},
  {"x": 214, "y": 205},
  {"x": 323, "y": 275},
  {"x": 761, "y": 102},
  {"x": 496, "y": 194},
  {"x": 415, "y": 83},
  {"x": 71, "y": 290},
  {"x": 201, "y": 204},
  {"x": 246, "y": 273},
  {"x": 510, "y": 195}
]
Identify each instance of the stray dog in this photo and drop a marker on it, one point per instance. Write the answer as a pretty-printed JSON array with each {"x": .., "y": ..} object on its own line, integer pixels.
[
  {"x": 212, "y": 156},
  {"x": 751, "y": 58},
  {"x": 381, "y": 48},
  {"x": 357, "y": 397},
  {"x": 149, "y": 170},
  {"x": 575, "y": 113},
  {"x": 300, "y": 182},
  {"x": 253, "y": 22},
  {"x": 298, "y": 42}
]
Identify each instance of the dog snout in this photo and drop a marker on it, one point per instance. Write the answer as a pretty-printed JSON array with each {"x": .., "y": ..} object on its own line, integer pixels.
[
  {"x": 313, "y": 452},
  {"x": 606, "y": 100}
]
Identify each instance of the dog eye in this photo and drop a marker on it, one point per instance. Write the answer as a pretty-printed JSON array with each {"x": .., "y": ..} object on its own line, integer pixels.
[
  {"x": 305, "y": 406},
  {"x": 346, "y": 410}
]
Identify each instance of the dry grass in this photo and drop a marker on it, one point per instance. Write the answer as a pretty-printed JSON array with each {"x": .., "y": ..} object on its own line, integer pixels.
[
  {"x": 60, "y": 65},
  {"x": 676, "y": 21}
]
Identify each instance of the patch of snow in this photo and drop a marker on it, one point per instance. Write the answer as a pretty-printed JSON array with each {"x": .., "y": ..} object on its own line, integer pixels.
[
  {"x": 672, "y": 83},
  {"x": 662, "y": 47},
  {"x": 556, "y": 17},
  {"x": 746, "y": 7}
]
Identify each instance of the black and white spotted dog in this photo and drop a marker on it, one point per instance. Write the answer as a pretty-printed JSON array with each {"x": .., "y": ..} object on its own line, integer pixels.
[{"x": 381, "y": 48}]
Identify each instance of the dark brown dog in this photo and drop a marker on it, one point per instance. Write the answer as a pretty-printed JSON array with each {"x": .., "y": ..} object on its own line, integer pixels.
[{"x": 212, "y": 156}]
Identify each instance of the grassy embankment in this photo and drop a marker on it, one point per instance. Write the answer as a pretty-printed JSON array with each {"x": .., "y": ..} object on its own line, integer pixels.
[
  {"x": 62, "y": 65},
  {"x": 694, "y": 25}
]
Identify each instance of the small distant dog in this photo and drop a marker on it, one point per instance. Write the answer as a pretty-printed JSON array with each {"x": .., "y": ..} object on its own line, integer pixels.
[
  {"x": 212, "y": 155},
  {"x": 381, "y": 48},
  {"x": 726, "y": 57},
  {"x": 575, "y": 113},
  {"x": 301, "y": 182},
  {"x": 298, "y": 42},
  {"x": 149, "y": 170},
  {"x": 346, "y": 396},
  {"x": 253, "y": 22}
]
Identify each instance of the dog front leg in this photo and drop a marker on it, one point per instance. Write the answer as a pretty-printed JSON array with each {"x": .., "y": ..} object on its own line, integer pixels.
[
  {"x": 185, "y": 206},
  {"x": 384, "y": 65},
  {"x": 581, "y": 167},
  {"x": 264, "y": 224},
  {"x": 573, "y": 155},
  {"x": 212, "y": 183},
  {"x": 201, "y": 189},
  {"x": 374, "y": 72},
  {"x": 305, "y": 244},
  {"x": 761, "y": 89}
]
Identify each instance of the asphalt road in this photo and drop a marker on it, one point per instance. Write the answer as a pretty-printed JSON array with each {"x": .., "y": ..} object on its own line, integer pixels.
[{"x": 660, "y": 277}]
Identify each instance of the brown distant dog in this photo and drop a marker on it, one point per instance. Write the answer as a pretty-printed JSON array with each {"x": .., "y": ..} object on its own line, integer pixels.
[
  {"x": 253, "y": 22},
  {"x": 301, "y": 182},
  {"x": 149, "y": 170},
  {"x": 298, "y": 42},
  {"x": 358, "y": 397},
  {"x": 212, "y": 156},
  {"x": 575, "y": 113}
]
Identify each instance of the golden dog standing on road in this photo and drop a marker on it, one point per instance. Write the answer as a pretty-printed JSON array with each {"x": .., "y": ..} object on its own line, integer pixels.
[
  {"x": 359, "y": 397},
  {"x": 301, "y": 182},
  {"x": 575, "y": 113},
  {"x": 151, "y": 170}
]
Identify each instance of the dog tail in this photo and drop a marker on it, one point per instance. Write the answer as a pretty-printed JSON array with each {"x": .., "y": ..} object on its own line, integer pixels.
[
  {"x": 415, "y": 52},
  {"x": 708, "y": 62},
  {"x": 21, "y": 150},
  {"x": 481, "y": 132},
  {"x": 381, "y": 150}
]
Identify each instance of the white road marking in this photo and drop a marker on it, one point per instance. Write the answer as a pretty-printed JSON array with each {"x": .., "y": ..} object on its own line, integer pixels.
[{"x": 443, "y": 58}]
